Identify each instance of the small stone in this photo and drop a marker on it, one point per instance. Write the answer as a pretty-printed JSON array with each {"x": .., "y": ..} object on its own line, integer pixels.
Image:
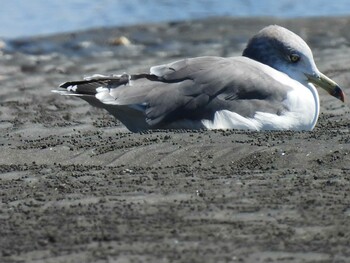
[{"x": 120, "y": 41}]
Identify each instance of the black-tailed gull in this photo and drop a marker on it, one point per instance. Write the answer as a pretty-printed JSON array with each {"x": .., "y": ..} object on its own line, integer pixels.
[{"x": 269, "y": 87}]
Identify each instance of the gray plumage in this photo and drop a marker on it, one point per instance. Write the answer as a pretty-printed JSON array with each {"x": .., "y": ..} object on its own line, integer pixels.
[{"x": 184, "y": 93}]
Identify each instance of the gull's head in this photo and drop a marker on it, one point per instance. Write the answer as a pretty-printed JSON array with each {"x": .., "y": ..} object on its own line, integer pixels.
[{"x": 285, "y": 51}]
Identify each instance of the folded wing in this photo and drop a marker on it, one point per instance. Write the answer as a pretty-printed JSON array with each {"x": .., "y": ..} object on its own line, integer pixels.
[{"x": 192, "y": 89}]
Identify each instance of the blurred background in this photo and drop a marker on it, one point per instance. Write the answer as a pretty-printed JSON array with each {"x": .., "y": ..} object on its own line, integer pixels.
[{"x": 20, "y": 18}]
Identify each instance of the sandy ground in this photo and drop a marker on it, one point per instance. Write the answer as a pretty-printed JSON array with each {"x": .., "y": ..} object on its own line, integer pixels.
[{"x": 76, "y": 186}]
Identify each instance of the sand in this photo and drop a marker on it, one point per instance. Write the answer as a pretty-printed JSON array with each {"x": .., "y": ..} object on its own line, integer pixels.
[{"x": 76, "y": 186}]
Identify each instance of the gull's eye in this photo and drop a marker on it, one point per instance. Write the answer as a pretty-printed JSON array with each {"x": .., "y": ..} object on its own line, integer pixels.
[{"x": 294, "y": 58}]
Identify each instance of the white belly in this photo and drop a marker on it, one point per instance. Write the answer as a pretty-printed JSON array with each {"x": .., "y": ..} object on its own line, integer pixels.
[{"x": 303, "y": 110}]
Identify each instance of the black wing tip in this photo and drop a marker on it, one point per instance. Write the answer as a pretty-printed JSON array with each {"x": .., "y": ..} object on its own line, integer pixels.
[
  {"x": 80, "y": 86},
  {"x": 65, "y": 85}
]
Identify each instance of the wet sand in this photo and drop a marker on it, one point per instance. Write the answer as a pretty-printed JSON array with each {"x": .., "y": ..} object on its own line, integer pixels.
[{"x": 76, "y": 186}]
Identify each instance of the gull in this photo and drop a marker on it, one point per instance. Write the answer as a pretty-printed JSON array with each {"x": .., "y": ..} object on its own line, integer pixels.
[{"x": 269, "y": 87}]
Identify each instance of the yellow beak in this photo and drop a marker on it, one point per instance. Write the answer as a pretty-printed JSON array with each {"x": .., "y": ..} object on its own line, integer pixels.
[{"x": 327, "y": 84}]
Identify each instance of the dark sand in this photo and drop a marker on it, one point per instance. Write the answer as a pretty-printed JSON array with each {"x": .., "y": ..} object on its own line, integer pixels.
[{"x": 75, "y": 186}]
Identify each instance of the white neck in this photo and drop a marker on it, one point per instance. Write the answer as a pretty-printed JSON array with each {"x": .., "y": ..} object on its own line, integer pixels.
[{"x": 314, "y": 92}]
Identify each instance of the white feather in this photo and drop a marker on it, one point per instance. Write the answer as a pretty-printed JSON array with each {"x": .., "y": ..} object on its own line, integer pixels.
[
  {"x": 72, "y": 88},
  {"x": 95, "y": 76},
  {"x": 302, "y": 103}
]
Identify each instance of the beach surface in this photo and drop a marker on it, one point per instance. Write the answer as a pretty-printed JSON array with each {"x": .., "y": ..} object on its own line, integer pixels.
[{"x": 76, "y": 186}]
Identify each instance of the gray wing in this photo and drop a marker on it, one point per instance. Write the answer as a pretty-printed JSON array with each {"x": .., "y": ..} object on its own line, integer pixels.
[
  {"x": 193, "y": 89},
  {"x": 208, "y": 84}
]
